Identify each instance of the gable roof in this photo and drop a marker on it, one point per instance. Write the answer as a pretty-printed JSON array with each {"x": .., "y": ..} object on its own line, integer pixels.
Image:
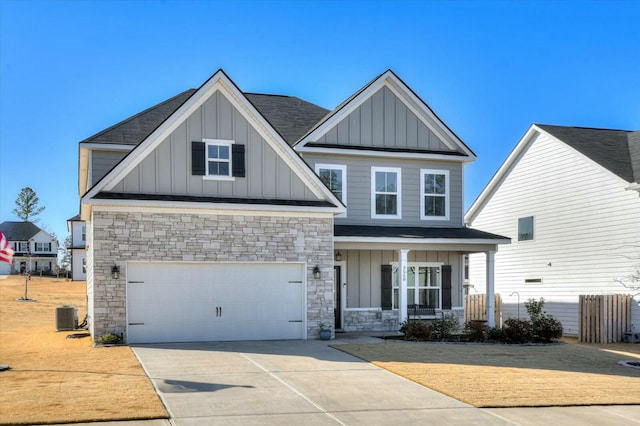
[
  {"x": 617, "y": 151},
  {"x": 133, "y": 130},
  {"x": 219, "y": 81},
  {"x": 291, "y": 117},
  {"x": 408, "y": 97},
  {"x": 609, "y": 148},
  {"x": 19, "y": 231}
]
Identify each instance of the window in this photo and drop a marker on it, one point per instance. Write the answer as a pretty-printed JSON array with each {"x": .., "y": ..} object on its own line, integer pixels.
[
  {"x": 43, "y": 246},
  {"x": 218, "y": 157},
  {"x": 84, "y": 233},
  {"x": 424, "y": 284},
  {"x": 335, "y": 177},
  {"x": 21, "y": 247},
  {"x": 434, "y": 187},
  {"x": 525, "y": 228},
  {"x": 84, "y": 265},
  {"x": 386, "y": 201}
]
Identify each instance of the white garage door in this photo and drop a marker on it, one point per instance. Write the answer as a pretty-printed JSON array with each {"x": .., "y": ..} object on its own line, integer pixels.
[{"x": 190, "y": 302}]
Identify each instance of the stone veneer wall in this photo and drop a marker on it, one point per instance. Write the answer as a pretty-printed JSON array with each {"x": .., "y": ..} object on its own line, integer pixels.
[
  {"x": 119, "y": 237},
  {"x": 378, "y": 320}
]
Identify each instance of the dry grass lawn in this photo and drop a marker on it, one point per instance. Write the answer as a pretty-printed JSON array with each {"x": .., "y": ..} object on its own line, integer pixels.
[
  {"x": 513, "y": 376},
  {"x": 58, "y": 380}
]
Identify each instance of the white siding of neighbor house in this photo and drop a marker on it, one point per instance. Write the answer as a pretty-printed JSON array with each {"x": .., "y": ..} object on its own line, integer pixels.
[
  {"x": 167, "y": 170},
  {"x": 586, "y": 226},
  {"x": 359, "y": 189},
  {"x": 76, "y": 234},
  {"x": 383, "y": 120}
]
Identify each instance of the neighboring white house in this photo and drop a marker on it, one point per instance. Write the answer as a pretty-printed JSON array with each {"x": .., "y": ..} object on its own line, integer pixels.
[
  {"x": 78, "y": 230},
  {"x": 566, "y": 196},
  {"x": 35, "y": 250}
]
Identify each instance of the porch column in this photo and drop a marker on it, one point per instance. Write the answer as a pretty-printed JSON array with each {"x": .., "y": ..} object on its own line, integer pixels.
[
  {"x": 490, "y": 302},
  {"x": 402, "y": 291}
]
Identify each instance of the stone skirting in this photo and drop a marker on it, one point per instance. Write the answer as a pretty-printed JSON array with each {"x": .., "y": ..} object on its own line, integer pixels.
[
  {"x": 373, "y": 320},
  {"x": 119, "y": 237}
]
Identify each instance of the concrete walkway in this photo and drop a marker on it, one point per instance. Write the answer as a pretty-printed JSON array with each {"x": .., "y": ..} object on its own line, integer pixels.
[{"x": 310, "y": 383}]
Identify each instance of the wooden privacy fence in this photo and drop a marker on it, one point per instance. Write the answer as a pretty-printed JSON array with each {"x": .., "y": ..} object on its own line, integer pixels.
[
  {"x": 604, "y": 318},
  {"x": 475, "y": 307}
]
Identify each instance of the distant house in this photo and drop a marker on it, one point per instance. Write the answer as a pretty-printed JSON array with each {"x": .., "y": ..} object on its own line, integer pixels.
[
  {"x": 78, "y": 230},
  {"x": 567, "y": 197},
  {"x": 224, "y": 215},
  {"x": 35, "y": 250}
]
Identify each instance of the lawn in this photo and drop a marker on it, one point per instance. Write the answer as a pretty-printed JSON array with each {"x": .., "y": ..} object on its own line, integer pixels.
[{"x": 58, "y": 380}]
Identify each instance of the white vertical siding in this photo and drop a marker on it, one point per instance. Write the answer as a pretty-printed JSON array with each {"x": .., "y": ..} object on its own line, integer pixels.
[{"x": 586, "y": 225}]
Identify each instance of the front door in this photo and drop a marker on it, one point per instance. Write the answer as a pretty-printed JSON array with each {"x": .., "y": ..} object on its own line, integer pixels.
[{"x": 337, "y": 296}]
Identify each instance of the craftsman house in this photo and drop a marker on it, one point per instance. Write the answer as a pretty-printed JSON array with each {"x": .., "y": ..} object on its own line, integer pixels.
[
  {"x": 567, "y": 196},
  {"x": 35, "y": 250},
  {"x": 224, "y": 215}
]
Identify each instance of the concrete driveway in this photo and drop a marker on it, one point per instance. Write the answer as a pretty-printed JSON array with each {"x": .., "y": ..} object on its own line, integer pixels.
[
  {"x": 310, "y": 383},
  {"x": 290, "y": 382}
]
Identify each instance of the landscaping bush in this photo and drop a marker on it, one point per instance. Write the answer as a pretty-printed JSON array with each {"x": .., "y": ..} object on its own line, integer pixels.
[
  {"x": 416, "y": 330},
  {"x": 476, "y": 331},
  {"x": 108, "y": 339},
  {"x": 517, "y": 331},
  {"x": 547, "y": 329},
  {"x": 445, "y": 327},
  {"x": 495, "y": 334}
]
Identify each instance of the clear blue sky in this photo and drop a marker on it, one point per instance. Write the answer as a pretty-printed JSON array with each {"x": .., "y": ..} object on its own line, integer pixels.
[{"x": 69, "y": 69}]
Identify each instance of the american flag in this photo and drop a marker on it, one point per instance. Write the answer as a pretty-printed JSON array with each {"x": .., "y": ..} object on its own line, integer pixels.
[{"x": 6, "y": 253}]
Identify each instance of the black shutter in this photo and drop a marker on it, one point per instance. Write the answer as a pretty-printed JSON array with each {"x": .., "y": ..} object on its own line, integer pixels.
[
  {"x": 237, "y": 161},
  {"x": 198, "y": 158},
  {"x": 446, "y": 286},
  {"x": 49, "y": 247},
  {"x": 386, "y": 288}
]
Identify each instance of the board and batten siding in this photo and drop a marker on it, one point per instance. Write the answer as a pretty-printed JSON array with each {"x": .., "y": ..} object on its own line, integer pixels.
[
  {"x": 359, "y": 189},
  {"x": 383, "y": 120},
  {"x": 586, "y": 226},
  {"x": 102, "y": 162},
  {"x": 364, "y": 273},
  {"x": 167, "y": 170}
]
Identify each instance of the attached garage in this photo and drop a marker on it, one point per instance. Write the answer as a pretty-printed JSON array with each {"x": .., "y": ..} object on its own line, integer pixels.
[{"x": 189, "y": 302}]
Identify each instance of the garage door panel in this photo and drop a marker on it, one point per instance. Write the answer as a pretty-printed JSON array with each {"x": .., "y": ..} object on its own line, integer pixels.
[{"x": 214, "y": 301}]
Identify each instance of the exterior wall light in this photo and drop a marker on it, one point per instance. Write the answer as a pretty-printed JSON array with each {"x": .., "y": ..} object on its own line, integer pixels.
[
  {"x": 316, "y": 272},
  {"x": 338, "y": 256},
  {"x": 115, "y": 272}
]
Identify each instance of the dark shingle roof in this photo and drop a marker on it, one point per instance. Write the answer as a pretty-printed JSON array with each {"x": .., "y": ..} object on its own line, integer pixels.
[
  {"x": 414, "y": 232},
  {"x": 616, "y": 150},
  {"x": 18, "y": 231},
  {"x": 291, "y": 117},
  {"x": 136, "y": 128}
]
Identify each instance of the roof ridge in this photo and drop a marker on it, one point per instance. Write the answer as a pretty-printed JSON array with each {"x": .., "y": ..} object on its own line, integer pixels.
[
  {"x": 583, "y": 127},
  {"x": 133, "y": 117}
]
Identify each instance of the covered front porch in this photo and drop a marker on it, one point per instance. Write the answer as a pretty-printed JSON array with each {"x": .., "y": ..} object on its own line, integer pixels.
[{"x": 382, "y": 272}]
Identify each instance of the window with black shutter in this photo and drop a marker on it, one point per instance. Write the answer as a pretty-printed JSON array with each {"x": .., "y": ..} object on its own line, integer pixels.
[{"x": 446, "y": 287}]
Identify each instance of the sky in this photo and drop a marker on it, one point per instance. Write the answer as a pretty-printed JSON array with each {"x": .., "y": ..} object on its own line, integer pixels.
[{"x": 488, "y": 69}]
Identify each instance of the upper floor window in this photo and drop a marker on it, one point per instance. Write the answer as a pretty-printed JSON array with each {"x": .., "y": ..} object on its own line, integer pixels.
[
  {"x": 84, "y": 233},
  {"x": 43, "y": 247},
  {"x": 335, "y": 177},
  {"x": 525, "y": 228},
  {"x": 386, "y": 196},
  {"x": 22, "y": 246},
  {"x": 218, "y": 157},
  {"x": 434, "y": 187}
]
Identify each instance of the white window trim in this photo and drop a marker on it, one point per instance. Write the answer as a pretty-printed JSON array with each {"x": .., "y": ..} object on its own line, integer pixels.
[
  {"x": 218, "y": 142},
  {"x": 343, "y": 169},
  {"x": 396, "y": 170},
  {"x": 447, "y": 197},
  {"x": 418, "y": 265}
]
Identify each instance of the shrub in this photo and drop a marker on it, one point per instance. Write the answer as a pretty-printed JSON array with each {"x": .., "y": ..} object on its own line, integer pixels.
[
  {"x": 477, "y": 331},
  {"x": 495, "y": 334},
  {"x": 416, "y": 330},
  {"x": 108, "y": 339},
  {"x": 445, "y": 327},
  {"x": 546, "y": 329},
  {"x": 534, "y": 308},
  {"x": 517, "y": 331}
]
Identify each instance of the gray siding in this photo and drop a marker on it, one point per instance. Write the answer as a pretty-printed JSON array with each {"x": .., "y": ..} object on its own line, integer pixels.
[
  {"x": 359, "y": 189},
  {"x": 383, "y": 120},
  {"x": 102, "y": 162},
  {"x": 168, "y": 169},
  {"x": 363, "y": 273}
]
